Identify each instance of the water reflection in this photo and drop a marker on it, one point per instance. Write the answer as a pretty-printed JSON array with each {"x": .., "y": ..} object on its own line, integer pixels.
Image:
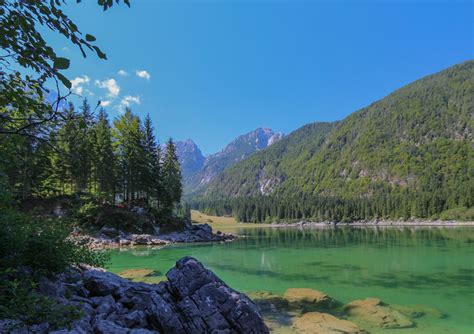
[{"x": 344, "y": 236}]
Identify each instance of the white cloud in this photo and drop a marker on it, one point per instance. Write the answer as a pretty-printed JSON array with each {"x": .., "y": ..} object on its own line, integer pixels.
[
  {"x": 111, "y": 85},
  {"x": 65, "y": 49},
  {"x": 105, "y": 103},
  {"x": 78, "y": 83},
  {"x": 123, "y": 73},
  {"x": 143, "y": 74},
  {"x": 128, "y": 100}
]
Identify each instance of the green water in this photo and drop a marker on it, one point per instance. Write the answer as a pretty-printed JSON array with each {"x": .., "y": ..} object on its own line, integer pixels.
[{"x": 432, "y": 267}]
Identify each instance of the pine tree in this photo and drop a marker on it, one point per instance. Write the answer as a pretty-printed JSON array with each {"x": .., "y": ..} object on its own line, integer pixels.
[
  {"x": 103, "y": 157},
  {"x": 151, "y": 178},
  {"x": 171, "y": 176},
  {"x": 131, "y": 155}
]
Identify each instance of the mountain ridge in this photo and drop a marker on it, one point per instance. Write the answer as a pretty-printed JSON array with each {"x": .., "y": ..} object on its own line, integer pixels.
[
  {"x": 415, "y": 142},
  {"x": 199, "y": 170}
]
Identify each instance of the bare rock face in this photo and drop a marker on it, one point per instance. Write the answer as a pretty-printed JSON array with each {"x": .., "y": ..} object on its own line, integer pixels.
[
  {"x": 377, "y": 313},
  {"x": 193, "y": 300},
  {"x": 324, "y": 323}
]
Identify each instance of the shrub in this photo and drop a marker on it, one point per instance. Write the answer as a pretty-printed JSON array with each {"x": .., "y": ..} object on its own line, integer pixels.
[
  {"x": 20, "y": 301},
  {"x": 94, "y": 216},
  {"x": 461, "y": 213},
  {"x": 42, "y": 244}
]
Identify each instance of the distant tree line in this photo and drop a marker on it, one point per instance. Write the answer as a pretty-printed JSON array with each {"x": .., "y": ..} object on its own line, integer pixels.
[
  {"x": 85, "y": 153},
  {"x": 385, "y": 204}
]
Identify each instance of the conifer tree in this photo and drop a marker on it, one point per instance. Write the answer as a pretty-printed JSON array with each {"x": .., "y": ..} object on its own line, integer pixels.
[
  {"x": 131, "y": 154},
  {"x": 103, "y": 157},
  {"x": 151, "y": 177},
  {"x": 171, "y": 176}
]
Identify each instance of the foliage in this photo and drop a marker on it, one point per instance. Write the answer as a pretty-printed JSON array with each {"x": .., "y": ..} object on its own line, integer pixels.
[
  {"x": 25, "y": 111},
  {"x": 41, "y": 244},
  {"x": 461, "y": 213},
  {"x": 121, "y": 163},
  {"x": 93, "y": 215},
  {"x": 20, "y": 301},
  {"x": 407, "y": 155}
]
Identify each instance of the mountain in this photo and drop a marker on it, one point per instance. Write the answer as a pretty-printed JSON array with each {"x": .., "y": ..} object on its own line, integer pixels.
[
  {"x": 198, "y": 171},
  {"x": 409, "y": 154},
  {"x": 190, "y": 157}
]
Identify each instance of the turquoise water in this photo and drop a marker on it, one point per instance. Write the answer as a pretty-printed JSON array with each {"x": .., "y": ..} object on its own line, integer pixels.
[{"x": 429, "y": 266}]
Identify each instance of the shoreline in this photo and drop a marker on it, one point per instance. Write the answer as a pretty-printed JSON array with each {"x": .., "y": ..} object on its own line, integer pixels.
[
  {"x": 434, "y": 223},
  {"x": 191, "y": 234}
]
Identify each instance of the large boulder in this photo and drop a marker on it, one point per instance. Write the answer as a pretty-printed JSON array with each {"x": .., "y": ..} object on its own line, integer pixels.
[
  {"x": 101, "y": 283},
  {"x": 376, "y": 313},
  {"x": 193, "y": 300},
  {"x": 323, "y": 323},
  {"x": 207, "y": 303}
]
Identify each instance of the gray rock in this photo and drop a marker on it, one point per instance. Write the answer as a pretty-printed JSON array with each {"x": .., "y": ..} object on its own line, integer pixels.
[
  {"x": 108, "y": 327},
  {"x": 39, "y": 328},
  {"x": 193, "y": 300},
  {"x": 143, "y": 331},
  {"x": 9, "y": 325},
  {"x": 108, "y": 232},
  {"x": 101, "y": 283},
  {"x": 202, "y": 295},
  {"x": 133, "y": 318},
  {"x": 51, "y": 289}
]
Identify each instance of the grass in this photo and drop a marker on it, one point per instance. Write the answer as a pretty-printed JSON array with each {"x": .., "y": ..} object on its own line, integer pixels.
[{"x": 224, "y": 224}]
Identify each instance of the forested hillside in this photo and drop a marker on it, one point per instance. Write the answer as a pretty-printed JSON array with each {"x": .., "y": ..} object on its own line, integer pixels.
[{"x": 409, "y": 154}]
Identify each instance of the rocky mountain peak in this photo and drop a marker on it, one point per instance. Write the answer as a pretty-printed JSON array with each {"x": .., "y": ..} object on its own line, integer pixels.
[{"x": 190, "y": 156}]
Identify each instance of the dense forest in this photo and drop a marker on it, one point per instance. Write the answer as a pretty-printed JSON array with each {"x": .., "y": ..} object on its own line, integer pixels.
[
  {"x": 84, "y": 153},
  {"x": 410, "y": 154}
]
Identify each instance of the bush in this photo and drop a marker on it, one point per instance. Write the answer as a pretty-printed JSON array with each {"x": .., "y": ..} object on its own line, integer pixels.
[
  {"x": 461, "y": 213},
  {"x": 94, "y": 216},
  {"x": 44, "y": 247},
  {"x": 42, "y": 244},
  {"x": 20, "y": 301}
]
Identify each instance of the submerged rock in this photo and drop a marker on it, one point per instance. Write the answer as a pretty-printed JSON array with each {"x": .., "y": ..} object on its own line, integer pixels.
[
  {"x": 417, "y": 311},
  {"x": 309, "y": 297},
  {"x": 377, "y": 313},
  {"x": 324, "y": 323}
]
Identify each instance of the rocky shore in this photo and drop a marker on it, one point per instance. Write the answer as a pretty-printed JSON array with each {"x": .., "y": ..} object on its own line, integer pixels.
[
  {"x": 381, "y": 223},
  {"x": 109, "y": 237},
  {"x": 192, "y": 300}
]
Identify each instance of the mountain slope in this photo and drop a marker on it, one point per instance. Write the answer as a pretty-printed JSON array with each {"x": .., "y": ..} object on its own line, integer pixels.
[
  {"x": 239, "y": 149},
  {"x": 190, "y": 156},
  {"x": 417, "y": 142}
]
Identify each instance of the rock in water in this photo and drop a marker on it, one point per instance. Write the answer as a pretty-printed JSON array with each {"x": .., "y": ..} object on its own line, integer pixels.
[
  {"x": 309, "y": 297},
  {"x": 376, "y": 312},
  {"x": 323, "y": 323},
  {"x": 207, "y": 303},
  {"x": 193, "y": 300}
]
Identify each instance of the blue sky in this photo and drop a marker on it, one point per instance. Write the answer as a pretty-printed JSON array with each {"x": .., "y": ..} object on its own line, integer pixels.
[{"x": 218, "y": 69}]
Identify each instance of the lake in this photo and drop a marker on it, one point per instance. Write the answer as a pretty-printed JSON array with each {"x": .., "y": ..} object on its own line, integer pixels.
[{"x": 433, "y": 267}]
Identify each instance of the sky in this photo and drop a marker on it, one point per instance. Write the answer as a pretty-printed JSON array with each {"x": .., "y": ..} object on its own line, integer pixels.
[{"x": 213, "y": 70}]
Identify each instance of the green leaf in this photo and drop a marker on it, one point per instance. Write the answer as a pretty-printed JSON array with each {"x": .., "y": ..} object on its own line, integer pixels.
[
  {"x": 90, "y": 38},
  {"x": 100, "y": 53},
  {"x": 65, "y": 81},
  {"x": 61, "y": 63}
]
